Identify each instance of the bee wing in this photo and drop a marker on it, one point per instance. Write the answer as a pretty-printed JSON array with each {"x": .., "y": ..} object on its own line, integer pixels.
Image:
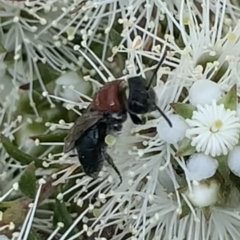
[{"x": 83, "y": 123}]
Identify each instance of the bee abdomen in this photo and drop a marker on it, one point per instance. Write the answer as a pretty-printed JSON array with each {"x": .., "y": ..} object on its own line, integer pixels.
[{"x": 89, "y": 147}]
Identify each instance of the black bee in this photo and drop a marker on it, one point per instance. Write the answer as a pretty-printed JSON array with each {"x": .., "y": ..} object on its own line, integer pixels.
[
  {"x": 88, "y": 137},
  {"x": 134, "y": 96},
  {"x": 106, "y": 114}
]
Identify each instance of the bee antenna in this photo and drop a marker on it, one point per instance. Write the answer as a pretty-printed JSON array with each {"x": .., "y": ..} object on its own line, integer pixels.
[
  {"x": 164, "y": 115},
  {"x": 158, "y": 66},
  {"x": 112, "y": 164}
]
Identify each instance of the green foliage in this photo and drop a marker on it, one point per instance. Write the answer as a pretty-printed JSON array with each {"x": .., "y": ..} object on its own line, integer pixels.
[
  {"x": 17, "y": 154},
  {"x": 51, "y": 137},
  {"x": 15, "y": 213},
  {"x": 33, "y": 235},
  {"x": 185, "y": 148},
  {"x": 61, "y": 214},
  {"x": 230, "y": 99},
  {"x": 115, "y": 37},
  {"x": 183, "y": 109},
  {"x": 27, "y": 182},
  {"x": 185, "y": 210}
]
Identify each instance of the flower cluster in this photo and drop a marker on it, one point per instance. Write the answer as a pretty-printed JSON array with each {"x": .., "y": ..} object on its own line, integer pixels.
[
  {"x": 178, "y": 182},
  {"x": 174, "y": 177}
]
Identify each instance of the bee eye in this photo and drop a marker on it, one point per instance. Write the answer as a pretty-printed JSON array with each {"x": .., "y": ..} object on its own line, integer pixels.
[
  {"x": 136, "y": 107},
  {"x": 137, "y": 104},
  {"x": 117, "y": 127}
]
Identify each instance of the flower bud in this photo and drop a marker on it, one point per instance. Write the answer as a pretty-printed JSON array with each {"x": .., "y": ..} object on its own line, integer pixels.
[{"x": 204, "y": 193}]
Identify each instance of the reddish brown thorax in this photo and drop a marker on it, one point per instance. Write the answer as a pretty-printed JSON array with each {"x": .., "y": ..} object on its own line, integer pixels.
[{"x": 107, "y": 98}]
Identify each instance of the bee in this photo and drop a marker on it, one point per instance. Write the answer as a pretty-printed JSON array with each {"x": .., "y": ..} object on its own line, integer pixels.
[
  {"x": 105, "y": 115},
  {"x": 88, "y": 137},
  {"x": 134, "y": 96}
]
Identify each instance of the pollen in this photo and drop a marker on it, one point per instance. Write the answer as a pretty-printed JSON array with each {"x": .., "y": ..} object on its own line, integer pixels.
[
  {"x": 232, "y": 37},
  {"x": 137, "y": 42},
  {"x": 16, "y": 19},
  {"x": 96, "y": 212},
  {"x": 216, "y": 126},
  {"x": 185, "y": 20},
  {"x": 110, "y": 140},
  {"x": 212, "y": 53},
  {"x": 70, "y": 31}
]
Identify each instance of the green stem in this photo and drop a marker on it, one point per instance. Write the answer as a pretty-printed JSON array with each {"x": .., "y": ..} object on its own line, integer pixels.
[
  {"x": 223, "y": 174},
  {"x": 6, "y": 204},
  {"x": 223, "y": 168}
]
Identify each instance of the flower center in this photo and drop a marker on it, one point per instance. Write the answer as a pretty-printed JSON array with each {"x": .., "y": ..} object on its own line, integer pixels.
[
  {"x": 110, "y": 140},
  {"x": 216, "y": 126},
  {"x": 232, "y": 37}
]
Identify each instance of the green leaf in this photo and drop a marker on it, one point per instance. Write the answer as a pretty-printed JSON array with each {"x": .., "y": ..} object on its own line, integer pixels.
[
  {"x": 23, "y": 105},
  {"x": 115, "y": 37},
  {"x": 17, "y": 154},
  {"x": 207, "y": 213},
  {"x": 52, "y": 137},
  {"x": 27, "y": 182},
  {"x": 183, "y": 188},
  {"x": 220, "y": 72},
  {"x": 183, "y": 109},
  {"x": 9, "y": 58},
  {"x": 185, "y": 210},
  {"x": 2, "y": 49},
  {"x": 230, "y": 99},
  {"x": 235, "y": 180},
  {"x": 47, "y": 190},
  {"x": 47, "y": 74},
  {"x": 33, "y": 235},
  {"x": 205, "y": 59},
  {"x": 185, "y": 148},
  {"x": 61, "y": 214},
  {"x": 54, "y": 114},
  {"x": 16, "y": 214},
  {"x": 6, "y": 204},
  {"x": 223, "y": 167}
]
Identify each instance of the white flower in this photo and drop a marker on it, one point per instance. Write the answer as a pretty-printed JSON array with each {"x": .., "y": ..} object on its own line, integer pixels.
[
  {"x": 211, "y": 52},
  {"x": 203, "y": 92},
  {"x": 71, "y": 82},
  {"x": 213, "y": 130},
  {"x": 29, "y": 46},
  {"x": 238, "y": 110},
  {"x": 201, "y": 166},
  {"x": 31, "y": 37},
  {"x": 93, "y": 21},
  {"x": 234, "y": 160},
  {"x": 230, "y": 7},
  {"x": 172, "y": 134},
  {"x": 147, "y": 204},
  {"x": 3, "y": 237},
  {"x": 204, "y": 194}
]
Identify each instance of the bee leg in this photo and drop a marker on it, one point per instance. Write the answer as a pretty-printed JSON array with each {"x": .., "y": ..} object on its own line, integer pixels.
[
  {"x": 109, "y": 159},
  {"x": 72, "y": 155},
  {"x": 136, "y": 120},
  {"x": 117, "y": 128}
]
